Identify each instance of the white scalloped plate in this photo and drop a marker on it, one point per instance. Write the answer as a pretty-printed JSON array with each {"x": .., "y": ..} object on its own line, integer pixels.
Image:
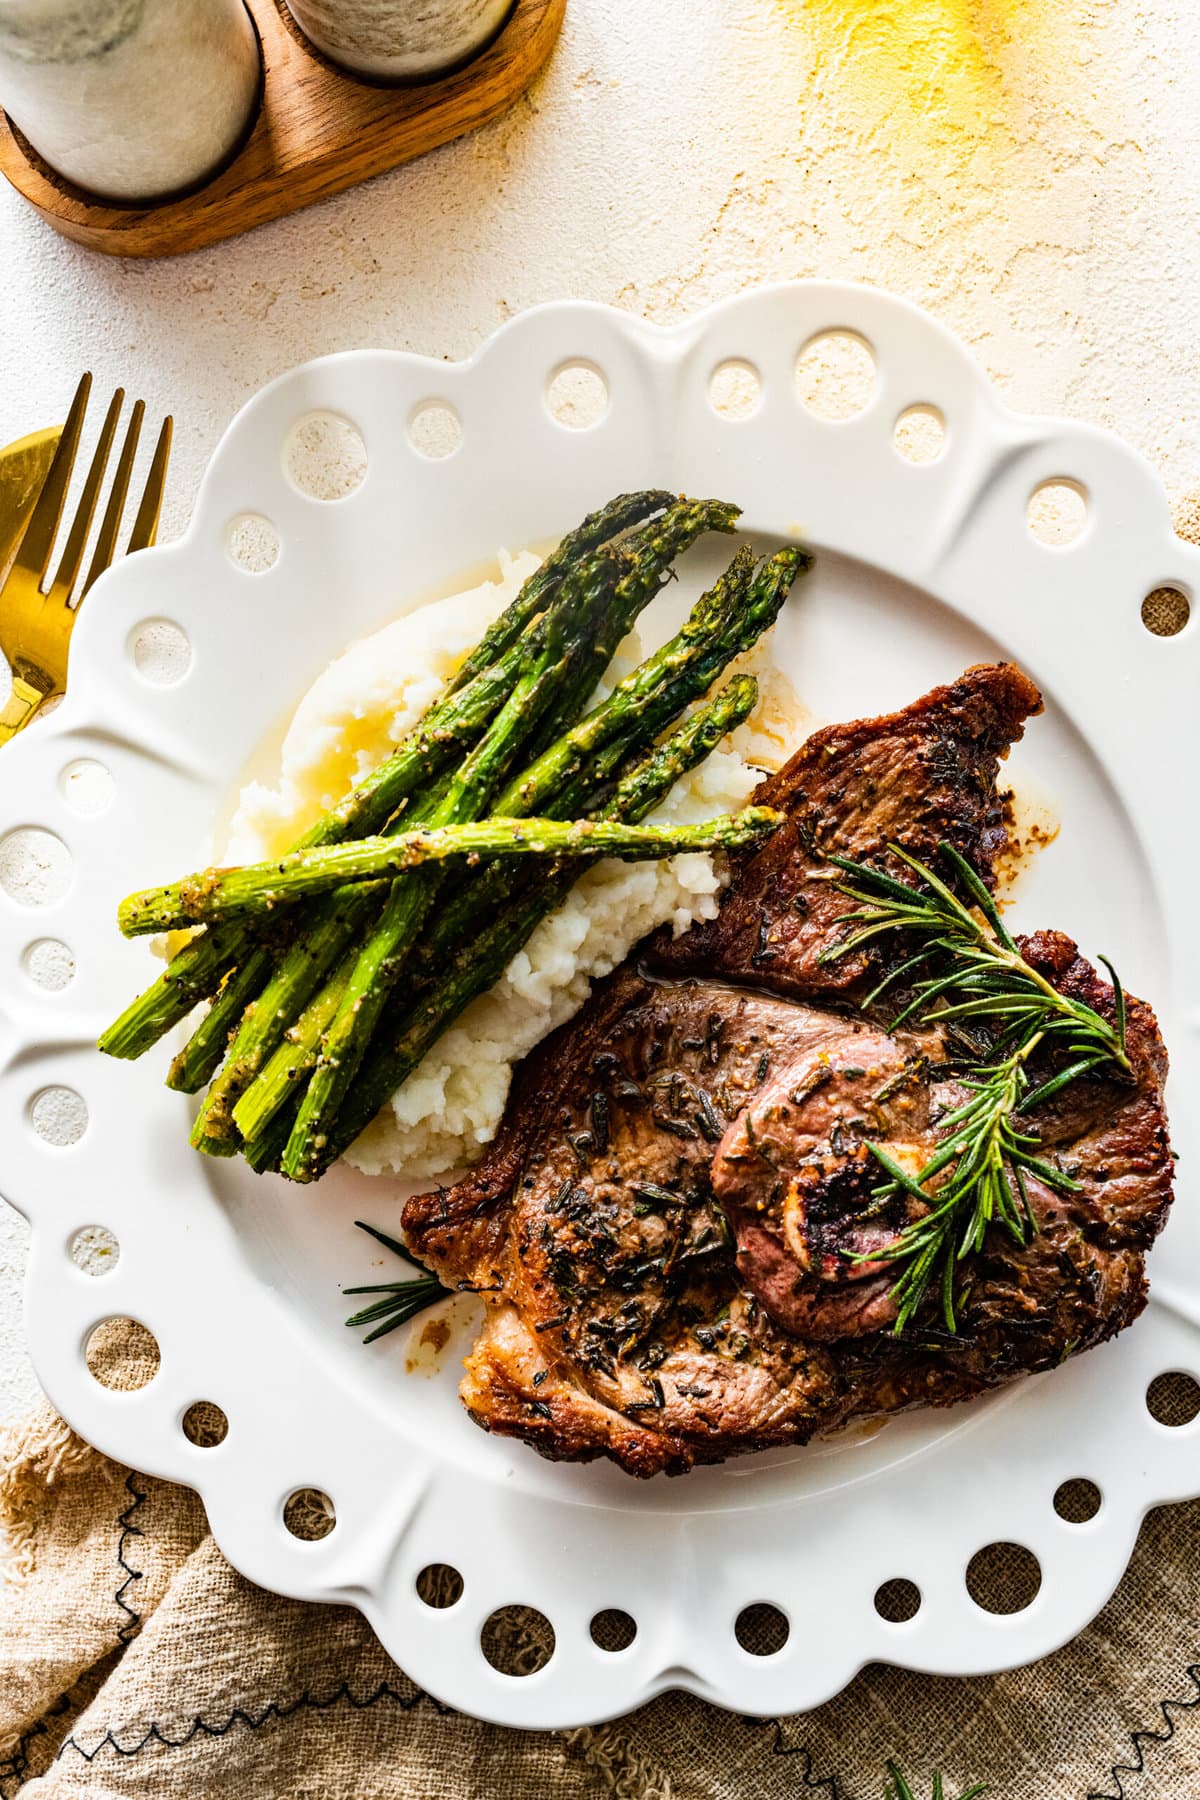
[{"x": 922, "y": 569}]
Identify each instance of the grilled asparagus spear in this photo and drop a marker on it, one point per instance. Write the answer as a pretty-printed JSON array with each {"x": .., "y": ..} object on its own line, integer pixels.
[
  {"x": 737, "y": 610},
  {"x": 750, "y": 609},
  {"x": 597, "y": 529},
  {"x": 459, "y": 715},
  {"x": 646, "y": 559},
  {"x": 407, "y": 1033},
  {"x": 739, "y": 606},
  {"x": 336, "y": 922},
  {"x": 261, "y": 885},
  {"x": 377, "y": 965},
  {"x": 286, "y": 1068},
  {"x": 193, "y": 973},
  {"x": 330, "y": 925},
  {"x": 198, "y": 969},
  {"x": 651, "y": 551},
  {"x": 201, "y": 1056},
  {"x": 730, "y": 617}
]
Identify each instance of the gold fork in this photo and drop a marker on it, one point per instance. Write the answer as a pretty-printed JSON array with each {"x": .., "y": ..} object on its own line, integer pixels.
[{"x": 36, "y": 622}]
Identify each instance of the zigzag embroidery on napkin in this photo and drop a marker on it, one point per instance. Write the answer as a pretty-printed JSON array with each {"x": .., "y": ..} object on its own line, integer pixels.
[
  {"x": 275, "y": 1710},
  {"x": 133, "y": 1621},
  {"x": 16, "y": 1766},
  {"x": 779, "y": 1748},
  {"x": 1139, "y": 1739}
]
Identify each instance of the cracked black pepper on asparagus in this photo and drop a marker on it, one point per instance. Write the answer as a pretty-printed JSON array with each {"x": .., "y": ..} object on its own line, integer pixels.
[{"x": 333, "y": 969}]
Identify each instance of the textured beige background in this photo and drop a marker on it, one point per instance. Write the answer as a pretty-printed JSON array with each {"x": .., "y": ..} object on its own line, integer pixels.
[{"x": 1025, "y": 168}]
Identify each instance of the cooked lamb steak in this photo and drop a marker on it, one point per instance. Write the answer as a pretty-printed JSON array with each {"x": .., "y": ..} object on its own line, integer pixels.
[{"x": 675, "y": 1229}]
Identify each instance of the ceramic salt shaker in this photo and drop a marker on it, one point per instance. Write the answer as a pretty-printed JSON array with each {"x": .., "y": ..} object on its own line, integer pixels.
[
  {"x": 130, "y": 99},
  {"x": 399, "y": 40}
]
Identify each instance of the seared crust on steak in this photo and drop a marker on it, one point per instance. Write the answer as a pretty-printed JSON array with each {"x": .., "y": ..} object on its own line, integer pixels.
[
  {"x": 915, "y": 777},
  {"x": 665, "y": 1228},
  {"x": 609, "y": 1267}
]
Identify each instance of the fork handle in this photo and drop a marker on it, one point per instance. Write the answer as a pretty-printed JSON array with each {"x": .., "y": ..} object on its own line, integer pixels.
[{"x": 30, "y": 689}]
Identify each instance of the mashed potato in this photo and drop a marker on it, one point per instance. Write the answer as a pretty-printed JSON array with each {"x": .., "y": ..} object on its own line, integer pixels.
[{"x": 355, "y": 712}]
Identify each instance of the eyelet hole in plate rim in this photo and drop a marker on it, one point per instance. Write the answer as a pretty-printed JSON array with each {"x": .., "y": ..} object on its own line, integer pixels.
[
  {"x": 205, "y": 1424},
  {"x": 49, "y": 964},
  {"x": 1173, "y": 1399},
  {"x": 920, "y": 434},
  {"x": 897, "y": 1601},
  {"x": 58, "y": 1115},
  {"x": 836, "y": 375},
  {"x": 762, "y": 1628},
  {"x": 252, "y": 543},
  {"x": 94, "y": 1250},
  {"x": 1003, "y": 1578},
  {"x": 613, "y": 1630},
  {"x": 36, "y": 867},
  {"x": 439, "y": 1586},
  {"x": 121, "y": 1354},
  {"x": 517, "y": 1640},
  {"x": 1166, "y": 610},
  {"x": 435, "y": 430},
  {"x": 87, "y": 787},
  {"x": 1058, "y": 512},
  {"x": 1078, "y": 1501},
  {"x": 309, "y": 1515},
  {"x": 325, "y": 457},
  {"x": 735, "y": 389},
  {"x": 577, "y": 395},
  {"x": 161, "y": 652}
]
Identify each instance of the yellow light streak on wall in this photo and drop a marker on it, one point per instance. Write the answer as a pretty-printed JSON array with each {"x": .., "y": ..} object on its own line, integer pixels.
[{"x": 929, "y": 67}]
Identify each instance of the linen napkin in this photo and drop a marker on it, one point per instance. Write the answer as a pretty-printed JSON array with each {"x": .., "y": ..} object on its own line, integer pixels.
[{"x": 134, "y": 1661}]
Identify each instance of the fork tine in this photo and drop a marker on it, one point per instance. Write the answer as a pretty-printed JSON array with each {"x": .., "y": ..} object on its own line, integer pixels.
[
  {"x": 145, "y": 526},
  {"x": 33, "y": 554},
  {"x": 81, "y": 524},
  {"x": 106, "y": 541}
]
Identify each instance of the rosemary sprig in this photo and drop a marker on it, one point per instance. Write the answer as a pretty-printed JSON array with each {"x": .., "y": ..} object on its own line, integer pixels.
[
  {"x": 965, "y": 966},
  {"x": 402, "y": 1300},
  {"x": 898, "y": 1788}
]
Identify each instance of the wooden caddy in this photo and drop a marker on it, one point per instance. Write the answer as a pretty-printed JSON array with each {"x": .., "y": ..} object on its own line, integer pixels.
[{"x": 318, "y": 129}]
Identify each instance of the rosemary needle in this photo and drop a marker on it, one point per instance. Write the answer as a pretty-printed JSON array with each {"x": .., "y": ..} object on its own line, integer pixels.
[
  {"x": 402, "y": 1300},
  {"x": 964, "y": 965}
]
